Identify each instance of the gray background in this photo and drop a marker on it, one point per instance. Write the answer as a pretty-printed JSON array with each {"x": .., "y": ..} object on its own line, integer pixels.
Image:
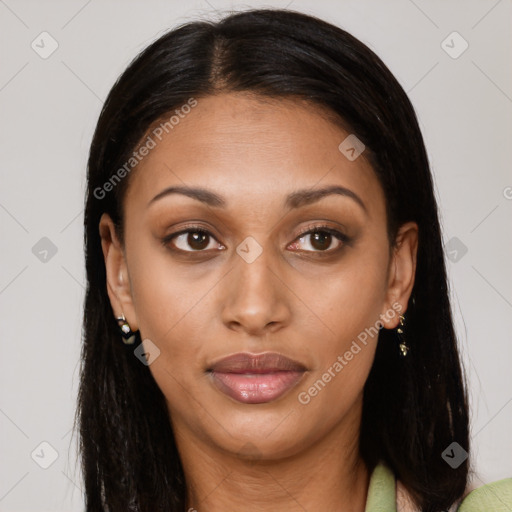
[{"x": 48, "y": 111}]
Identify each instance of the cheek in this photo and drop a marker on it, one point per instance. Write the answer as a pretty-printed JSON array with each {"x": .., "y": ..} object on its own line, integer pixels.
[
  {"x": 347, "y": 300},
  {"x": 343, "y": 356},
  {"x": 171, "y": 311},
  {"x": 169, "y": 306},
  {"x": 347, "y": 304}
]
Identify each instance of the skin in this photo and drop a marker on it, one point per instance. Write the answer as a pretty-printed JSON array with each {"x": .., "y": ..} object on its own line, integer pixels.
[{"x": 302, "y": 299}]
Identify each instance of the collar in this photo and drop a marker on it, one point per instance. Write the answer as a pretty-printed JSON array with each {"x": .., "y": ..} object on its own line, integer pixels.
[{"x": 381, "y": 495}]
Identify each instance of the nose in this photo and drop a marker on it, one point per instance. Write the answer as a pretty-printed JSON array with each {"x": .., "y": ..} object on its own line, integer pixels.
[{"x": 256, "y": 296}]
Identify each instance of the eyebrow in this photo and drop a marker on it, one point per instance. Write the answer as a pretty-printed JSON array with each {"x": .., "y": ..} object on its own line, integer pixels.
[{"x": 293, "y": 200}]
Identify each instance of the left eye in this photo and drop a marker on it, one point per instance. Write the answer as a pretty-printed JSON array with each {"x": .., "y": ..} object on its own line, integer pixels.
[{"x": 322, "y": 239}]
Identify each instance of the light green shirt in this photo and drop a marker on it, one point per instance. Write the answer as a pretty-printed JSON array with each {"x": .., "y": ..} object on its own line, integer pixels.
[{"x": 493, "y": 497}]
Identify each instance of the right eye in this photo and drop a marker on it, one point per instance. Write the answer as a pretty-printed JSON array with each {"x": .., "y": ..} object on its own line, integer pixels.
[{"x": 194, "y": 237}]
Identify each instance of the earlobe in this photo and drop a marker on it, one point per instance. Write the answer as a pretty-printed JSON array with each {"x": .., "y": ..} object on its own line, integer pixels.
[
  {"x": 402, "y": 272},
  {"x": 117, "y": 282}
]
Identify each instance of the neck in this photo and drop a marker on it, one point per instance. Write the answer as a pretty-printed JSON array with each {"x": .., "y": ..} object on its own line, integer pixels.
[{"x": 329, "y": 476}]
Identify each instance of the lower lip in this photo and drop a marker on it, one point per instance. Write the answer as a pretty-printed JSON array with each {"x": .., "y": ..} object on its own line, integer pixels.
[{"x": 256, "y": 388}]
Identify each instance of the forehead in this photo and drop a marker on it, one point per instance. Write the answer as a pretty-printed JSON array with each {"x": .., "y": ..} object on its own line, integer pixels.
[{"x": 251, "y": 150}]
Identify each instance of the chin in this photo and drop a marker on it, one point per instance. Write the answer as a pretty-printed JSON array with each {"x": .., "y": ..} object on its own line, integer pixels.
[{"x": 264, "y": 433}]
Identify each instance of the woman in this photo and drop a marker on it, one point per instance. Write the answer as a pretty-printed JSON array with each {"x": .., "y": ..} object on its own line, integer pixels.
[{"x": 267, "y": 323}]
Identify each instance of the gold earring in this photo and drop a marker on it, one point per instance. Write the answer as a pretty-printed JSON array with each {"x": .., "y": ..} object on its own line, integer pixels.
[
  {"x": 127, "y": 334},
  {"x": 404, "y": 348}
]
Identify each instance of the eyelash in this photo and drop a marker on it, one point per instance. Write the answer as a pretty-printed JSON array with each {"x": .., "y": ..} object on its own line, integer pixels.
[{"x": 306, "y": 231}]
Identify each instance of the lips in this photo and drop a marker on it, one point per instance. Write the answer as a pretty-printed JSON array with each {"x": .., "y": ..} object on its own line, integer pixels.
[{"x": 256, "y": 378}]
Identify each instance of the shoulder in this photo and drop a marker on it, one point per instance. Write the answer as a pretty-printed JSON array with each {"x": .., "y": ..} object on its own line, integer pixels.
[{"x": 495, "y": 496}]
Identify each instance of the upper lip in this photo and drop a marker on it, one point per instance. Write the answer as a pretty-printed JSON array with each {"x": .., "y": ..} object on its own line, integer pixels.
[{"x": 245, "y": 362}]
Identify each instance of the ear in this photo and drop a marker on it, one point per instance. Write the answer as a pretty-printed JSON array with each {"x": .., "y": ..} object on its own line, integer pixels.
[
  {"x": 401, "y": 272},
  {"x": 118, "y": 283}
]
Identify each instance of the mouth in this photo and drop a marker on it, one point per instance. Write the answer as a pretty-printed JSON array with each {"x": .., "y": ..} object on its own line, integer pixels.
[{"x": 256, "y": 378}]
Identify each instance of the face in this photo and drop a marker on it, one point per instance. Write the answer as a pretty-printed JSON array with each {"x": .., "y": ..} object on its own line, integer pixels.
[{"x": 262, "y": 266}]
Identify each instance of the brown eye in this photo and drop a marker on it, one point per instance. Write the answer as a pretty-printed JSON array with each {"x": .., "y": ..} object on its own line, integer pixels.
[
  {"x": 321, "y": 239},
  {"x": 190, "y": 240},
  {"x": 197, "y": 240}
]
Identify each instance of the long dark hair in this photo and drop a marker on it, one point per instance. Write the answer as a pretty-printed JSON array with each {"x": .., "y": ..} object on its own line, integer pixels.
[{"x": 415, "y": 407}]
